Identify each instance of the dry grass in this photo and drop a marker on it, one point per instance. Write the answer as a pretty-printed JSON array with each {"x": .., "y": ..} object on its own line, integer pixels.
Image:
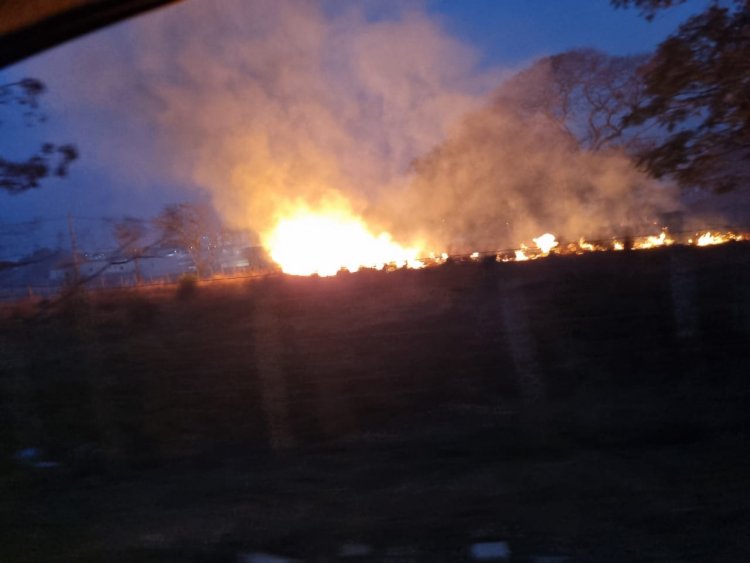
[{"x": 398, "y": 409}]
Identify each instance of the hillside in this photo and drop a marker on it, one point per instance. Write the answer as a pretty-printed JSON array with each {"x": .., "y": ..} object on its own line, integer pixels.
[{"x": 592, "y": 406}]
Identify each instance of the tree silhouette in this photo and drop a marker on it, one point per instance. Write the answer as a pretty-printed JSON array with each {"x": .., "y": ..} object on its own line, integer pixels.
[
  {"x": 189, "y": 226},
  {"x": 697, "y": 88},
  {"x": 18, "y": 176},
  {"x": 584, "y": 92}
]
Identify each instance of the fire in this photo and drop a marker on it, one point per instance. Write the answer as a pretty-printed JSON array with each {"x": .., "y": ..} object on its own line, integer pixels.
[
  {"x": 653, "y": 241},
  {"x": 586, "y": 246},
  {"x": 708, "y": 238},
  {"x": 325, "y": 242},
  {"x": 546, "y": 242},
  {"x": 307, "y": 243}
]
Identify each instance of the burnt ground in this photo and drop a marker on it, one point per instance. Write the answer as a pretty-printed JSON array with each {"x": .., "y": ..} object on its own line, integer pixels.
[{"x": 591, "y": 406}]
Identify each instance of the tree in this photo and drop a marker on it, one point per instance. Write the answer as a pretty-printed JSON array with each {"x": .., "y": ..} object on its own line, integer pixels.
[
  {"x": 648, "y": 8},
  {"x": 188, "y": 226},
  {"x": 583, "y": 92},
  {"x": 129, "y": 234},
  {"x": 17, "y": 176},
  {"x": 697, "y": 87}
]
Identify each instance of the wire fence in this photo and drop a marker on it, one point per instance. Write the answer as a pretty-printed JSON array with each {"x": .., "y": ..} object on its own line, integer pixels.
[{"x": 101, "y": 279}]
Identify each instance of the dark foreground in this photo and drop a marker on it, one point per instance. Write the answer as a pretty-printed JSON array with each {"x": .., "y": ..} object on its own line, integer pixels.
[{"x": 590, "y": 407}]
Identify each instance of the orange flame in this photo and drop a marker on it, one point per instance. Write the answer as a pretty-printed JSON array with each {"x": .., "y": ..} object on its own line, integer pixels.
[
  {"x": 653, "y": 241},
  {"x": 546, "y": 242},
  {"x": 708, "y": 238},
  {"x": 324, "y": 243}
]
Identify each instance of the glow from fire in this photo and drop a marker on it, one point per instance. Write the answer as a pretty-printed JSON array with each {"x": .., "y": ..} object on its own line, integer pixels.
[
  {"x": 307, "y": 243},
  {"x": 521, "y": 255},
  {"x": 653, "y": 241},
  {"x": 708, "y": 238},
  {"x": 546, "y": 242}
]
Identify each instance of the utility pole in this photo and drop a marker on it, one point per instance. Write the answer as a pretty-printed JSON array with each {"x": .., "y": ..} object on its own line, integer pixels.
[{"x": 73, "y": 249}]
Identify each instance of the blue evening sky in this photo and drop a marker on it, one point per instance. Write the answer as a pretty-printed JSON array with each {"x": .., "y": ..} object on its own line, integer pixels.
[{"x": 509, "y": 32}]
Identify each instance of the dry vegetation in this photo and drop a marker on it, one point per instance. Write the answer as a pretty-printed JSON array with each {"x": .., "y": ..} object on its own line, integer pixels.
[{"x": 553, "y": 404}]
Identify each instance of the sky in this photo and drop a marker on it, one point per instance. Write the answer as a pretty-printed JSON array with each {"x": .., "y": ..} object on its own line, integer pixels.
[
  {"x": 491, "y": 38},
  {"x": 512, "y": 32}
]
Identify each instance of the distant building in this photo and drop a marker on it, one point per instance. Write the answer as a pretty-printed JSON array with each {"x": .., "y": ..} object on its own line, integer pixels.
[
  {"x": 232, "y": 258},
  {"x": 100, "y": 269},
  {"x": 111, "y": 271},
  {"x": 166, "y": 263}
]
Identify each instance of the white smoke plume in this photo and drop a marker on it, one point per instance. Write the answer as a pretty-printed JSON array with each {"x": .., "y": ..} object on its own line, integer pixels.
[
  {"x": 501, "y": 179},
  {"x": 269, "y": 103}
]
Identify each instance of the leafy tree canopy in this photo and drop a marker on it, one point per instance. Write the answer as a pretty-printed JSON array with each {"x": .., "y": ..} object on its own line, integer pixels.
[
  {"x": 18, "y": 176},
  {"x": 648, "y": 8},
  {"x": 697, "y": 87}
]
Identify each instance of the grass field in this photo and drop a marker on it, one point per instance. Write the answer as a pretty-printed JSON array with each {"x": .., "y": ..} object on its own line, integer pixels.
[{"x": 592, "y": 406}]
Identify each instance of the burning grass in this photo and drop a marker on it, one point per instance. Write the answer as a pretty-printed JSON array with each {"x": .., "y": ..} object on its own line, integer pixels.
[{"x": 307, "y": 242}]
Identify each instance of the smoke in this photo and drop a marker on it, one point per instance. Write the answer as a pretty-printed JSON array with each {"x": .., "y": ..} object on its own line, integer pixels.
[
  {"x": 532, "y": 160},
  {"x": 268, "y": 104},
  {"x": 502, "y": 178}
]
